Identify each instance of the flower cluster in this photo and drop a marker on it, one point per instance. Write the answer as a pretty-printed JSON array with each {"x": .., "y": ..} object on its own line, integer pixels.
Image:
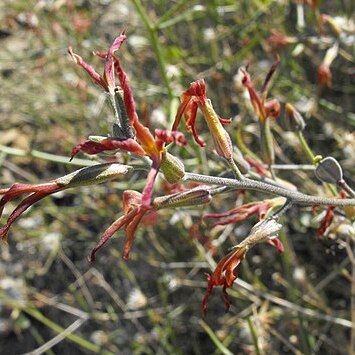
[{"x": 130, "y": 136}]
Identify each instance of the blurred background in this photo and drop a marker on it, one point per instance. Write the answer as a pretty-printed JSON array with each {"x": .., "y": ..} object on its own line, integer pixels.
[{"x": 52, "y": 300}]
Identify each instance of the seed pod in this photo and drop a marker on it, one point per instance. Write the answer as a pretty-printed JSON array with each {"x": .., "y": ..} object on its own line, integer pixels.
[
  {"x": 92, "y": 175},
  {"x": 172, "y": 168},
  {"x": 329, "y": 170},
  {"x": 294, "y": 119},
  {"x": 265, "y": 230},
  {"x": 196, "y": 196}
]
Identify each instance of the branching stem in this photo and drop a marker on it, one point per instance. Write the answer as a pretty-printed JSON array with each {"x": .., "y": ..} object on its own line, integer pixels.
[{"x": 248, "y": 184}]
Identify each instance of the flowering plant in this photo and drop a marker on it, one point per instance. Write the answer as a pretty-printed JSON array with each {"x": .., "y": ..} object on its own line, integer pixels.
[{"x": 131, "y": 136}]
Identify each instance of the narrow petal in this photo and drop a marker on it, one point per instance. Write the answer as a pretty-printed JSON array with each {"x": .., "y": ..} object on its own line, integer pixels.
[
  {"x": 190, "y": 118},
  {"x": 164, "y": 136},
  {"x": 130, "y": 230},
  {"x": 127, "y": 91},
  {"x": 268, "y": 77},
  {"x": 224, "y": 121},
  {"x": 23, "y": 206},
  {"x": 148, "y": 189},
  {"x": 110, "y": 231},
  {"x": 184, "y": 102},
  {"x": 17, "y": 190},
  {"x": 109, "y": 71},
  {"x": 254, "y": 96},
  {"x": 89, "y": 69},
  {"x": 276, "y": 242},
  {"x": 91, "y": 147},
  {"x": 146, "y": 139}
]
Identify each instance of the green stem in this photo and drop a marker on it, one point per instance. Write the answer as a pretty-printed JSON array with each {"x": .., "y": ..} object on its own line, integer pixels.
[
  {"x": 156, "y": 46},
  {"x": 238, "y": 175},
  {"x": 254, "y": 336},
  {"x": 248, "y": 184},
  {"x": 46, "y": 156},
  {"x": 214, "y": 338},
  {"x": 243, "y": 147},
  {"x": 306, "y": 147},
  {"x": 312, "y": 158},
  {"x": 58, "y": 329}
]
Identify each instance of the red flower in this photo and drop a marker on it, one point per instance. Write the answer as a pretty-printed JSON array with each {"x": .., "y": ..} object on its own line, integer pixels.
[
  {"x": 135, "y": 210},
  {"x": 224, "y": 275},
  {"x": 195, "y": 98},
  {"x": 263, "y": 109},
  {"x": 242, "y": 212},
  {"x": 107, "y": 80},
  {"x": 324, "y": 75},
  {"x": 226, "y": 271},
  {"x": 144, "y": 144},
  {"x": 81, "y": 177},
  {"x": 133, "y": 213}
]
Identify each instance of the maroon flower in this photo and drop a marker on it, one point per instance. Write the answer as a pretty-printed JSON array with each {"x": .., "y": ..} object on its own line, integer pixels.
[
  {"x": 224, "y": 275},
  {"x": 226, "y": 271},
  {"x": 134, "y": 211},
  {"x": 107, "y": 80},
  {"x": 259, "y": 208},
  {"x": 81, "y": 177},
  {"x": 144, "y": 143},
  {"x": 194, "y": 98},
  {"x": 263, "y": 108}
]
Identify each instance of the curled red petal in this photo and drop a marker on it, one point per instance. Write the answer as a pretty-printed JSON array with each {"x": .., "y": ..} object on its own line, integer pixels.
[
  {"x": 24, "y": 205},
  {"x": 17, "y": 190},
  {"x": 327, "y": 220},
  {"x": 114, "y": 227},
  {"x": 224, "y": 121},
  {"x": 109, "y": 72},
  {"x": 164, "y": 136},
  {"x": 198, "y": 89},
  {"x": 89, "y": 69},
  {"x": 254, "y": 96},
  {"x": 207, "y": 295},
  {"x": 185, "y": 99},
  {"x": 91, "y": 147},
  {"x": 131, "y": 228},
  {"x": 276, "y": 242},
  {"x": 224, "y": 275},
  {"x": 190, "y": 117},
  {"x": 127, "y": 91}
]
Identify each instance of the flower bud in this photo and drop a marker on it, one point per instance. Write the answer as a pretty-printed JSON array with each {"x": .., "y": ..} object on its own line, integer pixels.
[
  {"x": 263, "y": 231},
  {"x": 196, "y": 196},
  {"x": 92, "y": 175},
  {"x": 329, "y": 170},
  {"x": 295, "y": 121},
  {"x": 220, "y": 136},
  {"x": 172, "y": 168}
]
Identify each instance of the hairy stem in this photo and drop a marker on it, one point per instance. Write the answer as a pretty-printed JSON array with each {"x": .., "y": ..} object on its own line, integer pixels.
[{"x": 248, "y": 184}]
